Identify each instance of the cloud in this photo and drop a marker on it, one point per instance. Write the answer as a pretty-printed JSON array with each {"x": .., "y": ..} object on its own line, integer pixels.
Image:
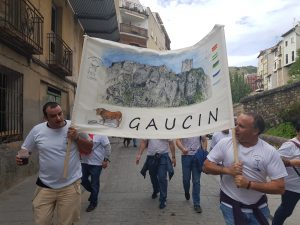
[{"x": 250, "y": 25}]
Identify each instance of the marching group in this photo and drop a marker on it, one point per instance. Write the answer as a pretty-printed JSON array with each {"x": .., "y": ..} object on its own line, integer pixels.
[{"x": 244, "y": 183}]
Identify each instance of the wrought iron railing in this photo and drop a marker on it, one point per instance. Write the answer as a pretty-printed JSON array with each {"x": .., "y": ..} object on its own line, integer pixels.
[
  {"x": 21, "y": 26},
  {"x": 132, "y": 6},
  {"x": 127, "y": 28},
  {"x": 60, "y": 55}
]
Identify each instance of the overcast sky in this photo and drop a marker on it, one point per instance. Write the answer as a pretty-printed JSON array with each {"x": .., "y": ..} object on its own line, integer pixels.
[{"x": 250, "y": 25}]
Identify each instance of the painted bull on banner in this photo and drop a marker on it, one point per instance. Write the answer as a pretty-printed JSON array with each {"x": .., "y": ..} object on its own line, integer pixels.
[{"x": 108, "y": 116}]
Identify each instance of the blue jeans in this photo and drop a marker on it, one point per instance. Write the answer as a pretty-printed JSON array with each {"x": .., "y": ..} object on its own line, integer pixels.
[
  {"x": 159, "y": 181},
  {"x": 92, "y": 186},
  {"x": 191, "y": 167},
  {"x": 134, "y": 142},
  {"x": 249, "y": 217},
  {"x": 288, "y": 203}
]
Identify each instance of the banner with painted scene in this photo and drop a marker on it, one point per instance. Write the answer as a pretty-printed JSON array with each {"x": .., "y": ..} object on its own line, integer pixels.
[{"x": 127, "y": 91}]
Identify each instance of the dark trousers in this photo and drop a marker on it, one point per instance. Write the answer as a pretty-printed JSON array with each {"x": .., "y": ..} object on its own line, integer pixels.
[
  {"x": 159, "y": 179},
  {"x": 288, "y": 202},
  {"x": 92, "y": 185},
  {"x": 126, "y": 142}
]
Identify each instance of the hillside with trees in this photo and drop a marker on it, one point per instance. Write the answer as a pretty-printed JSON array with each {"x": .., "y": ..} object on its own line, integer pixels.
[
  {"x": 239, "y": 88},
  {"x": 242, "y": 70}
]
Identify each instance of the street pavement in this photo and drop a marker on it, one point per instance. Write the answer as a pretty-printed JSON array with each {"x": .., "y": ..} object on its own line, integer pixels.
[{"x": 125, "y": 198}]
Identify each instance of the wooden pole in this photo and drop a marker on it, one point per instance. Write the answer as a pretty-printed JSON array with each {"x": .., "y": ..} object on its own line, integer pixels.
[
  {"x": 235, "y": 147},
  {"x": 67, "y": 158}
]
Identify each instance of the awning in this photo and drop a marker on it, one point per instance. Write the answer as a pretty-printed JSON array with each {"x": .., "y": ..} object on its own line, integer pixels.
[{"x": 97, "y": 17}]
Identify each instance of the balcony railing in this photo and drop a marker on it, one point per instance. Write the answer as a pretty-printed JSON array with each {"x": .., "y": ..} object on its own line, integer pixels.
[
  {"x": 21, "y": 26},
  {"x": 60, "y": 55},
  {"x": 126, "y": 28},
  {"x": 132, "y": 6}
]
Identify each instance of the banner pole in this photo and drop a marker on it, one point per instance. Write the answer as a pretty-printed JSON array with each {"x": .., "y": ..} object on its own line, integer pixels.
[
  {"x": 67, "y": 158},
  {"x": 235, "y": 148}
]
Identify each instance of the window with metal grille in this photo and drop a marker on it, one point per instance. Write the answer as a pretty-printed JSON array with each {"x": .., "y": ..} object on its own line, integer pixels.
[{"x": 11, "y": 105}]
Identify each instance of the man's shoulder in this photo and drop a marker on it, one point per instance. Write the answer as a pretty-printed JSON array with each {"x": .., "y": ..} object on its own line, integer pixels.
[
  {"x": 98, "y": 137},
  {"x": 290, "y": 143},
  {"x": 266, "y": 145},
  {"x": 40, "y": 125},
  {"x": 216, "y": 133},
  {"x": 226, "y": 140}
]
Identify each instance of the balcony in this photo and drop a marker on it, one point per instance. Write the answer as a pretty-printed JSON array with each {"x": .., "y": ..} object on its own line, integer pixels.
[
  {"x": 134, "y": 7},
  {"x": 60, "y": 55},
  {"x": 130, "y": 29},
  {"x": 21, "y": 26}
]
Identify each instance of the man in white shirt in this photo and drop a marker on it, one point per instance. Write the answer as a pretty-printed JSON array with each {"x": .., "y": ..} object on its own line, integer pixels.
[
  {"x": 53, "y": 190},
  {"x": 159, "y": 164},
  {"x": 244, "y": 183},
  {"x": 191, "y": 167},
  {"x": 290, "y": 153},
  {"x": 219, "y": 135},
  {"x": 92, "y": 165}
]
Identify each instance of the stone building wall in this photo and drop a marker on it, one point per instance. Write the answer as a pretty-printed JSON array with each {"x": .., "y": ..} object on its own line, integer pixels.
[
  {"x": 270, "y": 103},
  {"x": 10, "y": 173}
]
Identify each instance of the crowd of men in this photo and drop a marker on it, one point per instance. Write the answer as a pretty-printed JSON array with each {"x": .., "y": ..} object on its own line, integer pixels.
[{"x": 249, "y": 167}]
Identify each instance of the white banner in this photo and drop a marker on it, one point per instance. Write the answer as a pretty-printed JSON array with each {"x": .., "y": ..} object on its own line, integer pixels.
[{"x": 126, "y": 91}]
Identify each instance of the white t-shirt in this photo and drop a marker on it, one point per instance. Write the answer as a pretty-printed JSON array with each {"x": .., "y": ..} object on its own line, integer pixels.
[
  {"x": 259, "y": 162},
  {"x": 217, "y": 136},
  {"x": 289, "y": 151},
  {"x": 191, "y": 144},
  {"x": 160, "y": 146},
  {"x": 98, "y": 153},
  {"x": 51, "y": 145}
]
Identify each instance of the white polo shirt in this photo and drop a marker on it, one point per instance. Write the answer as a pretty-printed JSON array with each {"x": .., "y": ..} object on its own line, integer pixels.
[
  {"x": 259, "y": 162},
  {"x": 51, "y": 145}
]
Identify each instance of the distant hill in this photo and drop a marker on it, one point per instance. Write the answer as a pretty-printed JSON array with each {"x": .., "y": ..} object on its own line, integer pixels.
[{"x": 242, "y": 70}]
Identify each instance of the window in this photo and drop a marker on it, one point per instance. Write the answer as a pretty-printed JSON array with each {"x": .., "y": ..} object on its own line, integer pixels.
[
  {"x": 54, "y": 95},
  {"x": 286, "y": 43},
  {"x": 279, "y": 63},
  {"x": 275, "y": 66},
  {"x": 269, "y": 82},
  {"x": 292, "y": 40},
  {"x": 286, "y": 58},
  {"x": 54, "y": 19},
  {"x": 279, "y": 50},
  {"x": 293, "y": 56},
  {"x": 11, "y": 105}
]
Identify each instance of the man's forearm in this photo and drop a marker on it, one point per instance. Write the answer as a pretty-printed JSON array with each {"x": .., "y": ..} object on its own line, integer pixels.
[
  {"x": 213, "y": 168},
  {"x": 84, "y": 144}
]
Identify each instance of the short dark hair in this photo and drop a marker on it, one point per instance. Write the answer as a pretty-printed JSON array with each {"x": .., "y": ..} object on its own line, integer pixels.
[
  {"x": 258, "y": 123},
  {"x": 51, "y": 105},
  {"x": 297, "y": 125}
]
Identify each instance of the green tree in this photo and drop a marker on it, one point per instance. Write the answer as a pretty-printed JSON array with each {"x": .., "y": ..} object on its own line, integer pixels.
[
  {"x": 239, "y": 88},
  {"x": 294, "y": 71}
]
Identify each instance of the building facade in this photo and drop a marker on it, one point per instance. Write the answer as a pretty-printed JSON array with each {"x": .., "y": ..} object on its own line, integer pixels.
[
  {"x": 141, "y": 27},
  {"x": 274, "y": 62},
  {"x": 40, "y": 52}
]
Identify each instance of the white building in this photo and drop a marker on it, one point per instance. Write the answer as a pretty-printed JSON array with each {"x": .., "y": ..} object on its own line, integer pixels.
[{"x": 274, "y": 62}]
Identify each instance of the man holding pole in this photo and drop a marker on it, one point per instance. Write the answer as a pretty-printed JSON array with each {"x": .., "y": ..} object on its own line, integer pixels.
[
  {"x": 54, "y": 189},
  {"x": 244, "y": 172}
]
